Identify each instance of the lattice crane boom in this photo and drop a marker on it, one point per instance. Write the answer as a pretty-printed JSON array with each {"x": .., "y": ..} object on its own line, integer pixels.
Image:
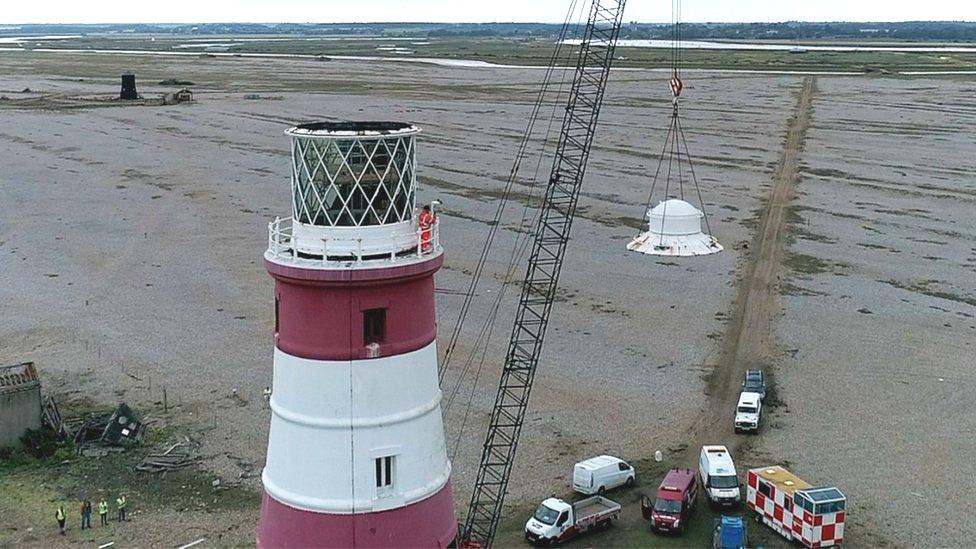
[{"x": 551, "y": 235}]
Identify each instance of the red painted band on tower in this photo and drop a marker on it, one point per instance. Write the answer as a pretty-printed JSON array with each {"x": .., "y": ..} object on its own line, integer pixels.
[
  {"x": 426, "y": 523},
  {"x": 310, "y": 325}
]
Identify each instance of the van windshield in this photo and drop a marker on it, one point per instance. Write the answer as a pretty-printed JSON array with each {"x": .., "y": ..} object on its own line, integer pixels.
[
  {"x": 728, "y": 481},
  {"x": 667, "y": 505},
  {"x": 747, "y": 410},
  {"x": 546, "y": 515}
]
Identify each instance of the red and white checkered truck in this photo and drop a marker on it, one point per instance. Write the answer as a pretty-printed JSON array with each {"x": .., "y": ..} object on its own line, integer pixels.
[{"x": 813, "y": 516}]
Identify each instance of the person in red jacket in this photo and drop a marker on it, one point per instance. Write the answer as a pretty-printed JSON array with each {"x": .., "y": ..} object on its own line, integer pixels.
[
  {"x": 86, "y": 513},
  {"x": 426, "y": 220}
]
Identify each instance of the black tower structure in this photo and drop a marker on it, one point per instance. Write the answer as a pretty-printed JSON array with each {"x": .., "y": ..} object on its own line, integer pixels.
[{"x": 129, "y": 87}]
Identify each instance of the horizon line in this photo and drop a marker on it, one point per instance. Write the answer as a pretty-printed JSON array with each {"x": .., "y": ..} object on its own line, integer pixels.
[{"x": 662, "y": 23}]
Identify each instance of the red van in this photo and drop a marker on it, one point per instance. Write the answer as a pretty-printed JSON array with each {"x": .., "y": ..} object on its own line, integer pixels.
[{"x": 674, "y": 502}]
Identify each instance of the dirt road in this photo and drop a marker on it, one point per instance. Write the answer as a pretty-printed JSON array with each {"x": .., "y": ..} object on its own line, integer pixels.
[{"x": 748, "y": 341}]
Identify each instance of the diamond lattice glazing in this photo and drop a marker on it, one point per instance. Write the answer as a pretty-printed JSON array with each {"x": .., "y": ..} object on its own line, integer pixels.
[{"x": 354, "y": 181}]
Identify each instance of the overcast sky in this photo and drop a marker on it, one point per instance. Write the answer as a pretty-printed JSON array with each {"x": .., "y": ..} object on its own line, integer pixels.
[{"x": 330, "y": 11}]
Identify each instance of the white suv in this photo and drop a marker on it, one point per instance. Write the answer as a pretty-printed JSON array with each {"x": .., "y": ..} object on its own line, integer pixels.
[{"x": 747, "y": 412}]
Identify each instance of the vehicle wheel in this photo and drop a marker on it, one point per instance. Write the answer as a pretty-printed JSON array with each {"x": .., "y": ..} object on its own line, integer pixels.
[
  {"x": 630, "y": 482},
  {"x": 601, "y": 491},
  {"x": 605, "y": 525}
]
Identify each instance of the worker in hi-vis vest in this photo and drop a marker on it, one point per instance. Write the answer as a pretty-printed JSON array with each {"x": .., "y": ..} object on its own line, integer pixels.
[
  {"x": 59, "y": 514},
  {"x": 103, "y": 511},
  {"x": 120, "y": 503}
]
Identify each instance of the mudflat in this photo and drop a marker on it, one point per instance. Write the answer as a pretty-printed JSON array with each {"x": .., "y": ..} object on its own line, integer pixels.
[{"x": 131, "y": 262}]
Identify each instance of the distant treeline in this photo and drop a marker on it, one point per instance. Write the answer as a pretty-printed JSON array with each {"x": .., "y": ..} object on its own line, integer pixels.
[{"x": 915, "y": 30}]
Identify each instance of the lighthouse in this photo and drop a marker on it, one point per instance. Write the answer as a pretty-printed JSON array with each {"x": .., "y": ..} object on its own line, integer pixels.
[{"x": 356, "y": 452}]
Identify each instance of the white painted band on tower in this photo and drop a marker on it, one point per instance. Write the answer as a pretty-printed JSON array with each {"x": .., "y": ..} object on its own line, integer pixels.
[{"x": 343, "y": 412}]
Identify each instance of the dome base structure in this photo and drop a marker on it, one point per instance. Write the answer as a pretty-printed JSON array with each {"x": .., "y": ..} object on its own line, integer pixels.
[
  {"x": 674, "y": 229},
  {"x": 679, "y": 246}
]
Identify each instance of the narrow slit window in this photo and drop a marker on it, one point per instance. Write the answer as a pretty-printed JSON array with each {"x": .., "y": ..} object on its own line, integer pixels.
[
  {"x": 384, "y": 472},
  {"x": 277, "y": 313},
  {"x": 374, "y": 326}
]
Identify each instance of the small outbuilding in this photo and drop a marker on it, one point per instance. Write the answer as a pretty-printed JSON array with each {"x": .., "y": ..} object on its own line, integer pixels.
[
  {"x": 674, "y": 229},
  {"x": 20, "y": 402}
]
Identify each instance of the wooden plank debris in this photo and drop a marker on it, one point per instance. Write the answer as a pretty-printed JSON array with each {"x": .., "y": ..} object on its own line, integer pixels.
[{"x": 175, "y": 457}]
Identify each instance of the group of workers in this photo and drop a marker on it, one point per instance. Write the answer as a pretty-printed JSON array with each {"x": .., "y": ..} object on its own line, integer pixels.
[{"x": 86, "y": 513}]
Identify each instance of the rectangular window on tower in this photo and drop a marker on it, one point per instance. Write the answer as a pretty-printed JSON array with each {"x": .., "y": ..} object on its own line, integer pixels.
[
  {"x": 374, "y": 326},
  {"x": 384, "y": 474}
]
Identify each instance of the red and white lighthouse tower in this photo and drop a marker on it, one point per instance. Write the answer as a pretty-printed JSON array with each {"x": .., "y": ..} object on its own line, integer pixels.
[{"x": 356, "y": 452}]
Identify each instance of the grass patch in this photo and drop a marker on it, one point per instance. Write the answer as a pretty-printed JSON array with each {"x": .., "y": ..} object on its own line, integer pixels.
[
  {"x": 31, "y": 487},
  {"x": 798, "y": 291},
  {"x": 538, "y": 52},
  {"x": 925, "y": 287},
  {"x": 808, "y": 264},
  {"x": 773, "y": 401}
]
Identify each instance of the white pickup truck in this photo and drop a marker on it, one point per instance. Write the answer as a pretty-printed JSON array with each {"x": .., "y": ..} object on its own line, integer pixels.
[{"x": 556, "y": 521}]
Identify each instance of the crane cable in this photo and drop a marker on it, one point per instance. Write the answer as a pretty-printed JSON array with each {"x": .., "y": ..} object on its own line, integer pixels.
[
  {"x": 518, "y": 252},
  {"x": 506, "y": 193},
  {"x": 675, "y": 139},
  {"x": 521, "y": 246}
]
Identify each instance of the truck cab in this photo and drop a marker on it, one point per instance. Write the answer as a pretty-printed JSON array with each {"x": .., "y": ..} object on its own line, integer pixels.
[
  {"x": 549, "y": 521},
  {"x": 555, "y": 520},
  {"x": 748, "y": 411},
  {"x": 730, "y": 533},
  {"x": 716, "y": 471},
  {"x": 673, "y": 503}
]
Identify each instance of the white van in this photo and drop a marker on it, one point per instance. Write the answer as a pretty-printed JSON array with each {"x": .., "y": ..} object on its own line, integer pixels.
[
  {"x": 716, "y": 471},
  {"x": 601, "y": 473}
]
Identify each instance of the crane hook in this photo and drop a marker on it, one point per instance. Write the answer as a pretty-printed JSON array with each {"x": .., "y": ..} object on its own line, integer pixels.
[{"x": 676, "y": 85}]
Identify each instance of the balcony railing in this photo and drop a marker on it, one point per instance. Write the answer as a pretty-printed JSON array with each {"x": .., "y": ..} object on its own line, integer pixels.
[{"x": 365, "y": 248}]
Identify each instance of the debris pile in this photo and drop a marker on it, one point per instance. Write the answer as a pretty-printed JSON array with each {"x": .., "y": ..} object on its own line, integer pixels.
[
  {"x": 95, "y": 434},
  {"x": 176, "y": 82},
  {"x": 122, "y": 427},
  {"x": 177, "y": 456},
  {"x": 52, "y": 418}
]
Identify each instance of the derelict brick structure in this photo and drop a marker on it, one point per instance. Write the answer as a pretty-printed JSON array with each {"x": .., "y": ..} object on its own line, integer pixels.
[
  {"x": 20, "y": 402},
  {"x": 356, "y": 451}
]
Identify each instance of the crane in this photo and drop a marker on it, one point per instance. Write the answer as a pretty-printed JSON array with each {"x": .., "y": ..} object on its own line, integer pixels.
[{"x": 550, "y": 237}]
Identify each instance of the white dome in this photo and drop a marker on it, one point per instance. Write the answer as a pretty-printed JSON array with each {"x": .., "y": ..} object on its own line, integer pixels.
[
  {"x": 675, "y": 217},
  {"x": 675, "y": 230}
]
